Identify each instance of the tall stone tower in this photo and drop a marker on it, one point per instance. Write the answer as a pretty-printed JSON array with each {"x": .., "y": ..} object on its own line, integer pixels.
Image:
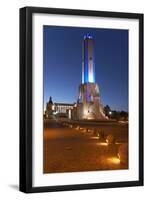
[{"x": 88, "y": 104}]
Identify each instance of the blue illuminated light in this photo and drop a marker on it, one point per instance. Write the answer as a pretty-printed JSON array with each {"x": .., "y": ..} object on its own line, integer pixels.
[
  {"x": 85, "y": 61},
  {"x": 88, "y": 97},
  {"x": 88, "y": 36},
  {"x": 89, "y": 71}
]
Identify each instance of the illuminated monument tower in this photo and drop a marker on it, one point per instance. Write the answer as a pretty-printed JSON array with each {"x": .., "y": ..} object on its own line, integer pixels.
[{"x": 88, "y": 104}]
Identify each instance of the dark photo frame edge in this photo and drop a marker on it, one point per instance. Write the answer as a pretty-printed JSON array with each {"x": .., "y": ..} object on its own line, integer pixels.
[{"x": 25, "y": 91}]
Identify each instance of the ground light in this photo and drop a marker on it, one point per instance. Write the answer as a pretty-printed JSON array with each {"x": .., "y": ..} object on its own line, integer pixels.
[
  {"x": 113, "y": 160},
  {"x": 102, "y": 144}
]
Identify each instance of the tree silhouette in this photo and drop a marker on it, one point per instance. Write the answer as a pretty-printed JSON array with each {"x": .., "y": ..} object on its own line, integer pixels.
[{"x": 107, "y": 109}]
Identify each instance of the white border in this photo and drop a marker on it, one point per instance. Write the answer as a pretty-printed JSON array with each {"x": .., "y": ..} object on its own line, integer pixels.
[{"x": 40, "y": 179}]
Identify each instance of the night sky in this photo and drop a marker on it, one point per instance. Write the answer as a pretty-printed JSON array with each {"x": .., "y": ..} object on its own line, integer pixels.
[{"x": 62, "y": 52}]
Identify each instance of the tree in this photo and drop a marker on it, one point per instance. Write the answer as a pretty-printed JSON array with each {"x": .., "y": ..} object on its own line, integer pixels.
[
  {"x": 107, "y": 109},
  {"x": 124, "y": 115}
]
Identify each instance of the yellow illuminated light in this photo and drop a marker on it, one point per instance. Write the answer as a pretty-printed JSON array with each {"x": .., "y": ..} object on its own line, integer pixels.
[
  {"x": 114, "y": 160},
  {"x": 98, "y": 135},
  {"x": 102, "y": 144},
  {"x": 53, "y": 107}
]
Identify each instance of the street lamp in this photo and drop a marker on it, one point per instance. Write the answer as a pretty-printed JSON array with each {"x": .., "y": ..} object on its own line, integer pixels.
[{"x": 110, "y": 114}]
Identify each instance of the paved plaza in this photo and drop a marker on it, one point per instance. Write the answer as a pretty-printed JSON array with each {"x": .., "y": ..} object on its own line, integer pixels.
[{"x": 71, "y": 147}]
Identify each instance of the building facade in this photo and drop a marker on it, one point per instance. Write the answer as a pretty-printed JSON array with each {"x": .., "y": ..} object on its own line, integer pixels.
[{"x": 58, "y": 109}]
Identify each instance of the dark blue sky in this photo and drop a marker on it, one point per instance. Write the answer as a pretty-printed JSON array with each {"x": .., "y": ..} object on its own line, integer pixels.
[{"x": 63, "y": 64}]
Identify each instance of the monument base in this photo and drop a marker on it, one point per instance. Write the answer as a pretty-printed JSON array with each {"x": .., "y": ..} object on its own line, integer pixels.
[{"x": 89, "y": 105}]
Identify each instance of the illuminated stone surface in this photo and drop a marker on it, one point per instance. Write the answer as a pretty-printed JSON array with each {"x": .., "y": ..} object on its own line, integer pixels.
[{"x": 89, "y": 105}]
